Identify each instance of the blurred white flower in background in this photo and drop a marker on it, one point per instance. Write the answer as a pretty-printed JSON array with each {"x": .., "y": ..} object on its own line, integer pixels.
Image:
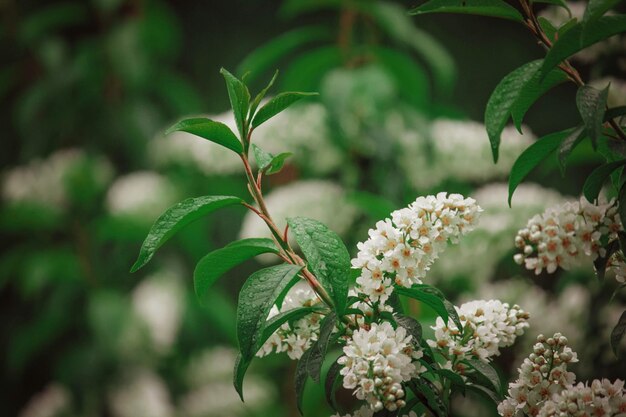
[
  {"x": 141, "y": 195},
  {"x": 159, "y": 301},
  {"x": 209, "y": 374},
  {"x": 481, "y": 250},
  {"x": 53, "y": 401},
  {"x": 458, "y": 150},
  {"x": 321, "y": 200},
  {"x": 48, "y": 181},
  {"x": 141, "y": 393}
]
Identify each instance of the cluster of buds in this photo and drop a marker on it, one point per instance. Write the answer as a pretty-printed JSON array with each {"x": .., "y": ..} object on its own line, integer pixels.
[
  {"x": 543, "y": 374},
  {"x": 376, "y": 361},
  {"x": 602, "y": 398},
  {"x": 564, "y": 235}
]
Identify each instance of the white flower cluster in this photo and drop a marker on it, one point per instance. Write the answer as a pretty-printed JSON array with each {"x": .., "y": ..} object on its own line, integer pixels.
[
  {"x": 376, "y": 362},
  {"x": 457, "y": 150},
  {"x": 602, "y": 398},
  {"x": 294, "y": 338},
  {"x": 321, "y": 200},
  {"x": 141, "y": 195},
  {"x": 564, "y": 235},
  {"x": 47, "y": 181},
  {"x": 476, "y": 259},
  {"x": 365, "y": 411},
  {"x": 543, "y": 374},
  {"x": 401, "y": 249},
  {"x": 487, "y": 327}
]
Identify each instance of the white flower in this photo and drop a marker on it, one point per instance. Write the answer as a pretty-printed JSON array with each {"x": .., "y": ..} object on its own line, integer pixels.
[
  {"x": 159, "y": 301},
  {"x": 565, "y": 235},
  {"x": 601, "y": 398},
  {"x": 141, "y": 393},
  {"x": 376, "y": 362},
  {"x": 458, "y": 150},
  {"x": 365, "y": 411},
  {"x": 401, "y": 249},
  {"x": 141, "y": 195},
  {"x": 297, "y": 337},
  {"x": 321, "y": 200},
  {"x": 47, "y": 181},
  {"x": 53, "y": 401},
  {"x": 488, "y": 326},
  {"x": 543, "y": 374}
]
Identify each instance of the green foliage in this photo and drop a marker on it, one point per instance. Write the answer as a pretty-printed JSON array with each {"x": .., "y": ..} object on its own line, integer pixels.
[
  {"x": 239, "y": 100},
  {"x": 591, "y": 104},
  {"x": 503, "y": 98},
  {"x": 213, "y": 265},
  {"x": 572, "y": 40},
  {"x": 567, "y": 146},
  {"x": 256, "y": 298},
  {"x": 486, "y": 371},
  {"x": 493, "y": 8},
  {"x": 326, "y": 255},
  {"x": 617, "y": 334},
  {"x": 268, "y": 163},
  {"x": 208, "y": 129},
  {"x": 177, "y": 217},
  {"x": 532, "y": 156},
  {"x": 434, "y": 299},
  {"x": 276, "y": 105},
  {"x": 598, "y": 177},
  {"x": 320, "y": 347}
]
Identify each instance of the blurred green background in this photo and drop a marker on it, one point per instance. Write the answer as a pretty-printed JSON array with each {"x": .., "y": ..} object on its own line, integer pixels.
[{"x": 87, "y": 89}]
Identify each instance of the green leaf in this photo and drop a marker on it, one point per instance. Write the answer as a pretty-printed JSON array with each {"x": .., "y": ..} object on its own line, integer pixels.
[
  {"x": 208, "y": 129},
  {"x": 320, "y": 347},
  {"x": 239, "y": 100},
  {"x": 455, "y": 378},
  {"x": 532, "y": 156},
  {"x": 502, "y": 100},
  {"x": 215, "y": 264},
  {"x": 484, "y": 392},
  {"x": 301, "y": 377},
  {"x": 572, "y": 41},
  {"x": 263, "y": 159},
  {"x": 327, "y": 257},
  {"x": 548, "y": 28},
  {"x": 426, "y": 390},
  {"x": 434, "y": 301},
  {"x": 614, "y": 112},
  {"x": 177, "y": 217},
  {"x": 487, "y": 371},
  {"x": 276, "y": 105},
  {"x": 329, "y": 384},
  {"x": 241, "y": 366},
  {"x": 412, "y": 326},
  {"x": 256, "y": 298},
  {"x": 257, "y": 100},
  {"x": 621, "y": 203},
  {"x": 567, "y": 146},
  {"x": 493, "y": 8},
  {"x": 532, "y": 91},
  {"x": 618, "y": 333},
  {"x": 277, "y": 162},
  {"x": 602, "y": 261},
  {"x": 267, "y": 55},
  {"x": 591, "y": 104},
  {"x": 596, "y": 179},
  {"x": 597, "y": 8}
]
